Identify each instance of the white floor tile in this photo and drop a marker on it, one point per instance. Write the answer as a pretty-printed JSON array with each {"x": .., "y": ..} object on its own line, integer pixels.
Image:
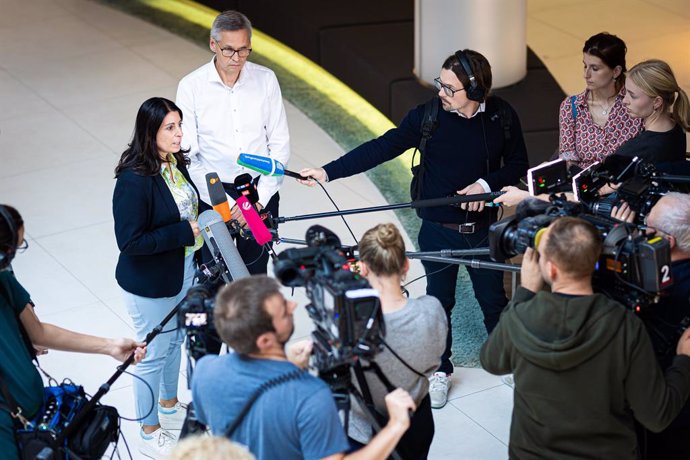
[
  {"x": 77, "y": 37},
  {"x": 112, "y": 120},
  {"x": 86, "y": 369},
  {"x": 94, "y": 77},
  {"x": 63, "y": 198},
  {"x": 51, "y": 286},
  {"x": 458, "y": 437},
  {"x": 89, "y": 254},
  {"x": 491, "y": 409},
  {"x": 44, "y": 140},
  {"x": 467, "y": 381},
  {"x": 17, "y": 100}
]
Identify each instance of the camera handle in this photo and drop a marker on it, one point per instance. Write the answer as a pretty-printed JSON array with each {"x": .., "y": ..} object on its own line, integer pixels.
[{"x": 104, "y": 388}]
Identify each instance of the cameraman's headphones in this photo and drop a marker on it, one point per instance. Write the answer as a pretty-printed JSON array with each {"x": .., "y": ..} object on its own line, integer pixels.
[
  {"x": 474, "y": 92},
  {"x": 7, "y": 252}
]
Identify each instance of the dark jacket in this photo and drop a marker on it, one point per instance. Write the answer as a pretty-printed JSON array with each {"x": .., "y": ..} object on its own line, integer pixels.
[
  {"x": 460, "y": 151},
  {"x": 150, "y": 235},
  {"x": 583, "y": 368}
]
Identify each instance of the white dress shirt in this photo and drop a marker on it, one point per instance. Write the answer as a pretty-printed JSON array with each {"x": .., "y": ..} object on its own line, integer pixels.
[{"x": 220, "y": 122}]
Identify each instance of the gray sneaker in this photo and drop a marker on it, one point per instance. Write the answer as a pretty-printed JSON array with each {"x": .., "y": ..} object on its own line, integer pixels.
[{"x": 439, "y": 384}]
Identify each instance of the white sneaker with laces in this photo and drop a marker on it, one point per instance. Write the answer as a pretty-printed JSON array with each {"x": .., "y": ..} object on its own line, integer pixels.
[
  {"x": 172, "y": 418},
  {"x": 157, "y": 445},
  {"x": 439, "y": 384}
]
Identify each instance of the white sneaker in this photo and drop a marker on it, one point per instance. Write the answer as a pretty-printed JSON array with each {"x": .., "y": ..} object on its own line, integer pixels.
[
  {"x": 439, "y": 384},
  {"x": 157, "y": 445},
  {"x": 172, "y": 418}
]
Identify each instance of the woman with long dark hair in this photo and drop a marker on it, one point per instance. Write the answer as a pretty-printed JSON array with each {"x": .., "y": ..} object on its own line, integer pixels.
[
  {"x": 594, "y": 123},
  {"x": 155, "y": 205}
]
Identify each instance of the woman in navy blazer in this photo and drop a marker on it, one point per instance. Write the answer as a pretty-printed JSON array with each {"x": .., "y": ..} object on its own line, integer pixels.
[{"x": 155, "y": 206}]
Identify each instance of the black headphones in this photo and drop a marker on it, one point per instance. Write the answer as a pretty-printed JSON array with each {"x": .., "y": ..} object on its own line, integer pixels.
[
  {"x": 474, "y": 92},
  {"x": 7, "y": 252}
]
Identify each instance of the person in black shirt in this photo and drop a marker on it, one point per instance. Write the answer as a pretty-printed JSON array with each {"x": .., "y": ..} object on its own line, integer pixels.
[
  {"x": 653, "y": 94},
  {"x": 670, "y": 218},
  {"x": 476, "y": 147}
]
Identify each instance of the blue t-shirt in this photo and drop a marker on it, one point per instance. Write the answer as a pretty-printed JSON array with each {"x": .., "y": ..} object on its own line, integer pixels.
[{"x": 297, "y": 419}]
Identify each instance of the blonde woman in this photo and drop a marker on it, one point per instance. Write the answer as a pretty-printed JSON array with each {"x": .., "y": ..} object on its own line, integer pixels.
[
  {"x": 415, "y": 330},
  {"x": 653, "y": 95}
]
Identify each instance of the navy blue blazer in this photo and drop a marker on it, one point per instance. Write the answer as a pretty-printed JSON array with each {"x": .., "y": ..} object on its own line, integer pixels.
[{"x": 150, "y": 235}]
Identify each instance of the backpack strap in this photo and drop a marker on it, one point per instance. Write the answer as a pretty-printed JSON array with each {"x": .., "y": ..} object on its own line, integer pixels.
[
  {"x": 573, "y": 107},
  {"x": 11, "y": 405},
  {"x": 505, "y": 116},
  {"x": 428, "y": 123},
  {"x": 275, "y": 381}
]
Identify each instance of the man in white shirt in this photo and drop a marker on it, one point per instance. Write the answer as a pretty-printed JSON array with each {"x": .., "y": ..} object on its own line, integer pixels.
[{"x": 233, "y": 106}]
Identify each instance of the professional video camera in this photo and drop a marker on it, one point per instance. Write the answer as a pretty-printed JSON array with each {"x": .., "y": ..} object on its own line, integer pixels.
[
  {"x": 195, "y": 316},
  {"x": 633, "y": 268},
  {"x": 641, "y": 185},
  {"x": 344, "y": 308}
]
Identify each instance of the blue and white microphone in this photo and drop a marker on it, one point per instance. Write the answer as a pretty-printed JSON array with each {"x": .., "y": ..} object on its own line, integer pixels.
[{"x": 265, "y": 165}]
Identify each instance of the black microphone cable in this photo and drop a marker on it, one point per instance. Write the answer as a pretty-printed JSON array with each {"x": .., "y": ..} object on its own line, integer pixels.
[{"x": 337, "y": 209}]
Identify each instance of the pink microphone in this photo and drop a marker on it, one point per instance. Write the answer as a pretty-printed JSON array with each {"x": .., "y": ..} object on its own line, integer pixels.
[{"x": 254, "y": 222}]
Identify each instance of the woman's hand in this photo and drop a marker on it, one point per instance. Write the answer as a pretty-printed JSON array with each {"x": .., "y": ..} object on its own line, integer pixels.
[{"x": 195, "y": 228}]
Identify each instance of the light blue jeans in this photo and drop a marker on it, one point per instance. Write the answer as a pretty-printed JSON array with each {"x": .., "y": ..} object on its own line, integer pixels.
[{"x": 161, "y": 367}]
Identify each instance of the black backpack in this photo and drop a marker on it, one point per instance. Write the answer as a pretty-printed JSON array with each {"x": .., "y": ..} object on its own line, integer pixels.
[{"x": 429, "y": 122}]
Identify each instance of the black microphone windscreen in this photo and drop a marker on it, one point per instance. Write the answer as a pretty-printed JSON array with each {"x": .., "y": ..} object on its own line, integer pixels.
[
  {"x": 530, "y": 207},
  {"x": 218, "y": 239}
]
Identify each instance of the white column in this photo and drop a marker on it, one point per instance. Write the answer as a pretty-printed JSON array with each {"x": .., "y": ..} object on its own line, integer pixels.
[{"x": 495, "y": 28}]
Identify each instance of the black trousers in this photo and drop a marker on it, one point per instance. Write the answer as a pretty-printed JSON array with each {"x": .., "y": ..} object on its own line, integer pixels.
[
  {"x": 416, "y": 442},
  {"x": 442, "y": 278}
]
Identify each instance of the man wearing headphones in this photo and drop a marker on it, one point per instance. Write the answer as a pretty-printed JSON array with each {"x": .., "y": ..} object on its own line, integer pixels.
[{"x": 476, "y": 146}]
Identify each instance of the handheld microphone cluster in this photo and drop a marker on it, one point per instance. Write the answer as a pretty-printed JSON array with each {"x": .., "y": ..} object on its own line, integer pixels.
[
  {"x": 219, "y": 201},
  {"x": 217, "y": 237},
  {"x": 265, "y": 165}
]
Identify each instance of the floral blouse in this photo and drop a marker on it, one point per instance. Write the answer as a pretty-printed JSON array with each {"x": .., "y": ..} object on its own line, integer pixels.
[
  {"x": 185, "y": 197},
  {"x": 583, "y": 142}
]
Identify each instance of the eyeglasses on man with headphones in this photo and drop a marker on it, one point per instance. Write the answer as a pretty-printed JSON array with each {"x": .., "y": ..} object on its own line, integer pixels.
[{"x": 450, "y": 92}]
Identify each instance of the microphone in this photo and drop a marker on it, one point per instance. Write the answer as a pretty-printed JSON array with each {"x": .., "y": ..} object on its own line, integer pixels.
[
  {"x": 265, "y": 165},
  {"x": 245, "y": 186},
  {"x": 217, "y": 237},
  {"x": 254, "y": 222},
  {"x": 530, "y": 207},
  {"x": 216, "y": 193}
]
